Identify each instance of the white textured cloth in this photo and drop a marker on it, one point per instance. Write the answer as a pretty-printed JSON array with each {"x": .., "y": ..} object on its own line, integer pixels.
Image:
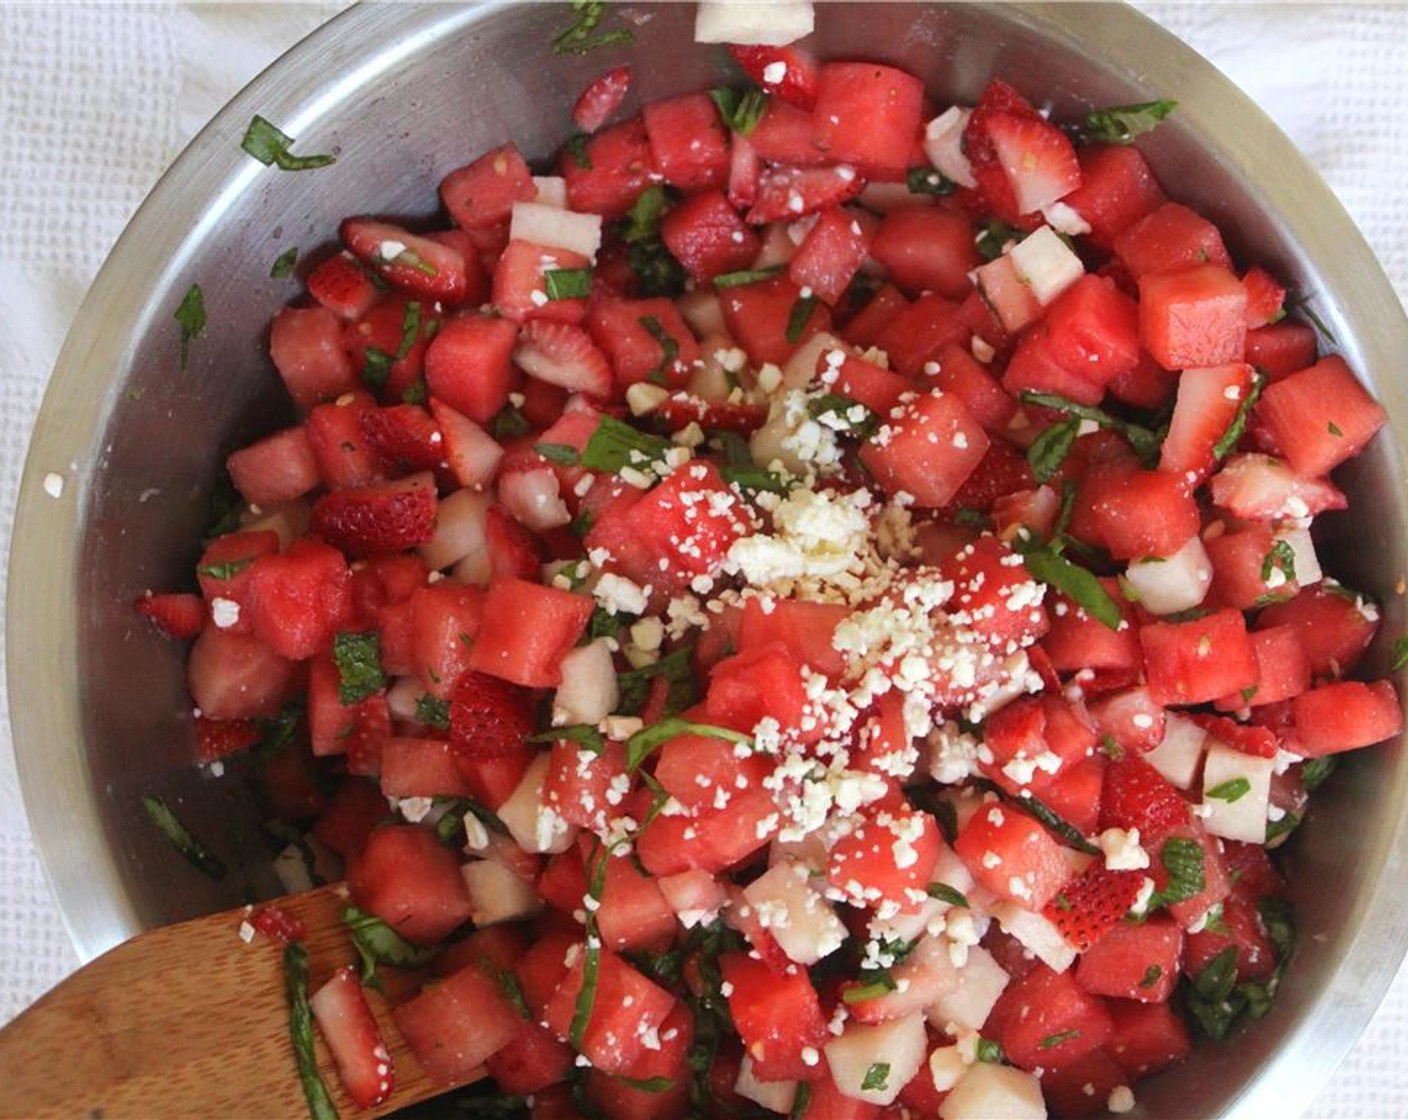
[{"x": 97, "y": 99}]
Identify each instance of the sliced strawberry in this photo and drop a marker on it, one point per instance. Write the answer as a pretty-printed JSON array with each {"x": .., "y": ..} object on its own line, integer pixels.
[
  {"x": 787, "y": 73},
  {"x": 1037, "y": 158},
  {"x": 994, "y": 190},
  {"x": 404, "y": 437},
  {"x": 388, "y": 517},
  {"x": 600, "y": 99},
  {"x": 1259, "y": 742},
  {"x": 1206, "y": 407},
  {"x": 789, "y": 193},
  {"x": 1261, "y": 488},
  {"x": 177, "y": 615},
  {"x": 345, "y": 1018},
  {"x": 1135, "y": 795},
  {"x": 565, "y": 355},
  {"x": 1092, "y": 905},
  {"x": 220, "y": 738},
  {"x": 489, "y": 718},
  {"x": 277, "y": 925},
  {"x": 342, "y": 285},
  {"x": 411, "y": 263}
]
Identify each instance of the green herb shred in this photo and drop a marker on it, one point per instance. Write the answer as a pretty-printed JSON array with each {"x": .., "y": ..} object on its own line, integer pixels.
[
  {"x": 358, "y": 658},
  {"x": 1122, "y": 124},
  {"x": 300, "y": 1029},
  {"x": 271, "y": 148},
  {"x": 283, "y": 264},
  {"x": 190, "y": 316},
  {"x": 578, "y": 39},
  {"x": 181, "y": 838}
]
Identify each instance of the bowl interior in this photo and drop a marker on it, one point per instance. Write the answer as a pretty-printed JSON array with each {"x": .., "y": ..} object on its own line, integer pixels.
[{"x": 402, "y": 95}]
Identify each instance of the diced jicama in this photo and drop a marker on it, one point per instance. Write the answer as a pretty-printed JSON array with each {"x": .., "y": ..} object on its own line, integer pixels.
[
  {"x": 589, "y": 688},
  {"x": 1036, "y": 934},
  {"x": 776, "y": 1096},
  {"x": 459, "y": 529},
  {"x": 534, "y": 498},
  {"x": 497, "y": 894},
  {"x": 1236, "y": 793},
  {"x": 801, "y": 367},
  {"x": 925, "y": 975},
  {"x": 530, "y": 820},
  {"x": 1306, "y": 564},
  {"x": 766, "y": 23},
  {"x": 555, "y": 228},
  {"x": 970, "y": 1001},
  {"x": 1174, "y": 583},
  {"x": 943, "y": 144},
  {"x": 1046, "y": 264},
  {"x": 1180, "y": 752},
  {"x": 552, "y": 191},
  {"x": 873, "y": 1063},
  {"x": 696, "y": 896},
  {"x": 989, "y": 1090},
  {"x": 796, "y": 914}
]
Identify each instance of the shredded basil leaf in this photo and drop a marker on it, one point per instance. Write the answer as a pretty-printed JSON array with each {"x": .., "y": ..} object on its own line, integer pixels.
[
  {"x": 739, "y": 469},
  {"x": 1049, "y": 450},
  {"x": 1122, "y": 124},
  {"x": 650, "y": 1084},
  {"x": 990, "y": 1051},
  {"x": 578, "y": 39},
  {"x": 876, "y": 1078},
  {"x": 669, "y": 348},
  {"x": 1314, "y": 771},
  {"x": 376, "y": 367},
  {"x": 994, "y": 237},
  {"x": 190, "y": 315},
  {"x": 1183, "y": 860},
  {"x": 746, "y": 276},
  {"x": 228, "y": 570},
  {"x": 676, "y": 668},
  {"x": 1152, "y": 975},
  {"x": 800, "y": 316},
  {"x": 358, "y": 658},
  {"x": 508, "y": 422},
  {"x": 1145, "y": 443},
  {"x": 1228, "y": 440},
  {"x": 283, "y": 264},
  {"x": 881, "y": 983},
  {"x": 565, "y": 454},
  {"x": 643, "y": 743},
  {"x": 591, "y": 962},
  {"x": 583, "y": 734},
  {"x": 377, "y": 943},
  {"x": 740, "y": 109},
  {"x": 1056, "y": 1039},
  {"x": 616, "y": 444},
  {"x": 568, "y": 283},
  {"x": 410, "y": 328},
  {"x": 182, "y": 839},
  {"x": 577, "y": 149},
  {"x": 1076, "y": 583},
  {"x": 928, "y": 180},
  {"x": 945, "y": 893},
  {"x": 1234, "y": 789},
  {"x": 271, "y": 148},
  {"x": 300, "y": 1028}
]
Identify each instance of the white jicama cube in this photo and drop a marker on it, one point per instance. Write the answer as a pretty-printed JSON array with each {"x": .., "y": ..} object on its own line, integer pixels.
[
  {"x": 909, "y": 925},
  {"x": 705, "y": 316},
  {"x": 970, "y": 1001},
  {"x": 696, "y": 896},
  {"x": 530, "y": 820},
  {"x": 1180, "y": 752},
  {"x": 925, "y": 975},
  {"x": 873, "y": 1063},
  {"x": 943, "y": 144},
  {"x": 589, "y": 689},
  {"x": 552, "y": 191},
  {"x": 775, "y": 1095},
  {"x": 459, "y": 529},
  {"x": 800, "y": 369},
  {"x": 800, "y": 919},
  {"x": 534, "y": 498},
  {"x": 1307, "y": 564},
  {"x": 1174, "y": 583},
  {"x": 554, "y": 228},
  {"x": 1036, "y": 934},
  {"x": 1046, "y": 264},
  {"x": 1236, "y": 793},
  {"x": 989, "y": 1090},
  {"x": 762, "y": 23},
  {"x": 496, "y": 894}
]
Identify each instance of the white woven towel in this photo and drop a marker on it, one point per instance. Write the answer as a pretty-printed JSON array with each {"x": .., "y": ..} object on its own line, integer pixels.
[{"x": 97, "y": 99}]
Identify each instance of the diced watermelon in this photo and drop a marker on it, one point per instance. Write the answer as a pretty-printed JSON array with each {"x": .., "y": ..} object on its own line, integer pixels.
[
  {"x": 868, "y": 115},
  {"x": 467, "y": 365},
  {"x": 1198, "y": 660},
  {"x": 1013, "y": 856},
  {"x": 1046, "y": 1019},
  {"x": 453, "y": 1025},
  {"x": 1193, "y": 317},
  {"x": 778, "y": 1016},
  {"x": 410, "y": 881},
  {"x": 306, "y": 346},
  {"x": 526, "y": 630},
  {"x": 625, "y": 1009},
  {"x": 706, "y": 235},
  {"x": 927, "y": 451},
  {"x": 927, "y": 249},
  {"x": 1320, "y": 416},
  {"x": 483, "y": 193}
]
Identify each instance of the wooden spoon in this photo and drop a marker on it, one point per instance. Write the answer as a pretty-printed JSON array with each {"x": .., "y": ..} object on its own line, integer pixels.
[{"x": 192, "y": 1021}]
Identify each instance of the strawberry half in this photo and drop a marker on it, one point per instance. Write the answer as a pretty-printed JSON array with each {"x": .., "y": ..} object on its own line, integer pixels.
[
  {"x": 1247, "y": 738},
  {"x": 1094, "y": 904},
  {"x": 489, "y": 718},
  {"x": 1135, "y": 795},
  {"x": 565, "y": 355},
  {"x": 786, "y": 193},
  {"x": 342, "y": 285},
  {"x": 403, "y": 436},
  {"x": 367, "y": 520},
  {"x": 345, "y": 1018},
  {"x": 787, "y": 73},
  {"x": 277, "y": 925},
  {"x": 600, "y": 99},
  {"x": 413, "y": 264},
  {"x": 177, "y": 614},
  {"x": 680, "y": 410}
]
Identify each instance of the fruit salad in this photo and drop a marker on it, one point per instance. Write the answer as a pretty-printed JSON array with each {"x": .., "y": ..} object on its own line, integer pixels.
[{"x": 802, "y": 602}]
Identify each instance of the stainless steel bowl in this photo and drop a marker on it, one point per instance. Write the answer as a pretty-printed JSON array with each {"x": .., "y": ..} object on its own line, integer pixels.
[{"x": 402, "y": 94}]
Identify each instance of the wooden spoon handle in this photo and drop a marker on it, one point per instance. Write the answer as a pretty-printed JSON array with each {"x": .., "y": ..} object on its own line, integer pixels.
[{"x": 190, "y": 1021}]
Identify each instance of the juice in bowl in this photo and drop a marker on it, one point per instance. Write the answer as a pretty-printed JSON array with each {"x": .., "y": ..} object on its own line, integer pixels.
[{"x": 833, "y": 596}]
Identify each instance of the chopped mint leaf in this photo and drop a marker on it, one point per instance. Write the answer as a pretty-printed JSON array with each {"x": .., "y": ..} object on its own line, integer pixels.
[
  {"x": 643, "y": 743},
  {"x": 561, "y": 453},
  {"x": 1056, "y": 1039},
  {"x": 568, "y": 283},
  {"x": 881, "y": 983},
  {"x": 1145, "y": 443},
  {"x": 1183, "y": 860},
  {"x": 1228, "y": 440},
  {"x": 740, "y": 109},
  {"x": 800, "y": 316},
  {"x": 433, "y": 712},
  {"x": 990, "y": 1051},
  {"x": 377, "y": 943},
  {"x": 283, "y": 265},
  {"x": 271, "y": 148},
  {"x": 300, "y": 1028},
  {"x": 410, "y": 328},
  {"x": 583, "y": 734},
  {"x": 616, "y": 445},
  {"x": 746, "y": 276},
  {"x": 1234, "y": 789},
  {"x": 877, "y": 1078},
  {"x": 578, "y": 39},
  {"x": 227, "y": 570},
  {"x": 669, "y": 348},
  {"x": 1076, "y": 583},
  {"x": 1122, "y": 124},
  {"x": 182, "y": 839},
  {"x": 190, "y": 314},
  {"x": 1049, "y": 450},
  {"x": 928, "y": 180},
  {"x": 1314, "y": 771},
  {"x": 1152, "y": 975},
  {"x": 945, "y": 893},
  {"x": 358, "y": 658}
]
